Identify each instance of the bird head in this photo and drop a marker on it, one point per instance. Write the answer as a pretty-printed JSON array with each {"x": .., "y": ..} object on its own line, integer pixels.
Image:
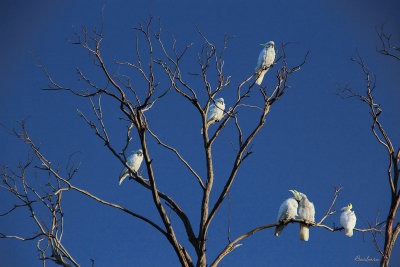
[
  {"x": 220, "y": 100},
  {"x": 300, "y": 195},
  {"x": 269, "y": 44},
  {"x": 347, "y": 208},
  {"x": 296, "y": 194},
  {"x": 139, "y": 152}
]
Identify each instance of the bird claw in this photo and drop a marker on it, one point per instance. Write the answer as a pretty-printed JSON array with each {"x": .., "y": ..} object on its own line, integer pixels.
[
  {"x": 308, "y": 222},
  {"x": 284, "y": 221}
]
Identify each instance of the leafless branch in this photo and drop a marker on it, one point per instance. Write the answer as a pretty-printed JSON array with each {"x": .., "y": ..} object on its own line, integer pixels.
[
  {"x": 232, "y": 245},
  {"x": 375, "y": 110},
  {"x": 180, "y": 157},
  {"x": 329, "y": 212},
  {"x": 387, "y": 47},
  {"x": 134, "y": 103}
]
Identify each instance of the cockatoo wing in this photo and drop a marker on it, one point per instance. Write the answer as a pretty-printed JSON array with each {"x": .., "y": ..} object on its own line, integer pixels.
[
  {"x": 212, "y": 113},
  {"x": 124, "y": 172},
  {"x": 344, "y": 217},
  {"x": 215, "y": 112},
  {"x": 135, "y": 162},
  {"x": 269, "y": 57},
  {"x": 287, "y": 211},
  {"x": 261, "y": 58},
  {"x": 352, "y": 219},
  {"x": 306, "y": 212},
  {"x": 220, "y": 111}
]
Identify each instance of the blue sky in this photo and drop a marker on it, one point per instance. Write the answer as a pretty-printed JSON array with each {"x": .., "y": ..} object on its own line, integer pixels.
[{"x": 312, "y": 140}]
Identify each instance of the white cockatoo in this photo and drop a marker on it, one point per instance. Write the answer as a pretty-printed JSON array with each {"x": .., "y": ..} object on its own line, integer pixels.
[
  {"x": 307, "y": 213},
  {"x": 133, "y": 162},
  {"x": 287, "y": 211},
  {"x": 215, "y": 112},
  {"x": 348, "y": 220},
  {"x": 265, "y": 60}
]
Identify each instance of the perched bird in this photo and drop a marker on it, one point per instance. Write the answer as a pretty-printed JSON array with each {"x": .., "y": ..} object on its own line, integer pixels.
[
  {"x": 215, "y": 112},
  {"x": 306, "y": 212},
  {"x": 348, "y": 220},
  {"x": 265, "y": 60},
  {"x": 287, "y": 211},
  {"x": 133, "y": 162}
]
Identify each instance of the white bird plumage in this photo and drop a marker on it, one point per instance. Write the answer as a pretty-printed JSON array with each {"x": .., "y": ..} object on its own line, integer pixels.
[
  {"x": 215, "y": 112},
  {"x": 348, "y": 220},
  {"x": 287, "y": 211},
  {"x": 265, "y": 60},
  {"x": 307, "y": 213},
  {"x": 133, "y": 162}
]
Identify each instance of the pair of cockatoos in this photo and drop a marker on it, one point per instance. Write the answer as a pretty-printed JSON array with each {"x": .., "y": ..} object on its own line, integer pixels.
[
  {"x": 265, "y": 61},
  {"x": 133, "y": 162},
  {"x": 215, "y": 112},
  {"x": 348, "y": 220},
  {"x": 288, "y": 211}
]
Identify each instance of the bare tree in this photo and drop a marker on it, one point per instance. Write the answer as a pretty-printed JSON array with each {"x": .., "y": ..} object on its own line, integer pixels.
[
  {"x": 133, "y": 104},
  {"x": 391, "y": 231}
]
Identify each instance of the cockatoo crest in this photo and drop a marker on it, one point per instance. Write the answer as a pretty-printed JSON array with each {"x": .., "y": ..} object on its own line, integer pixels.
[{"x": 347, "y": 208}]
